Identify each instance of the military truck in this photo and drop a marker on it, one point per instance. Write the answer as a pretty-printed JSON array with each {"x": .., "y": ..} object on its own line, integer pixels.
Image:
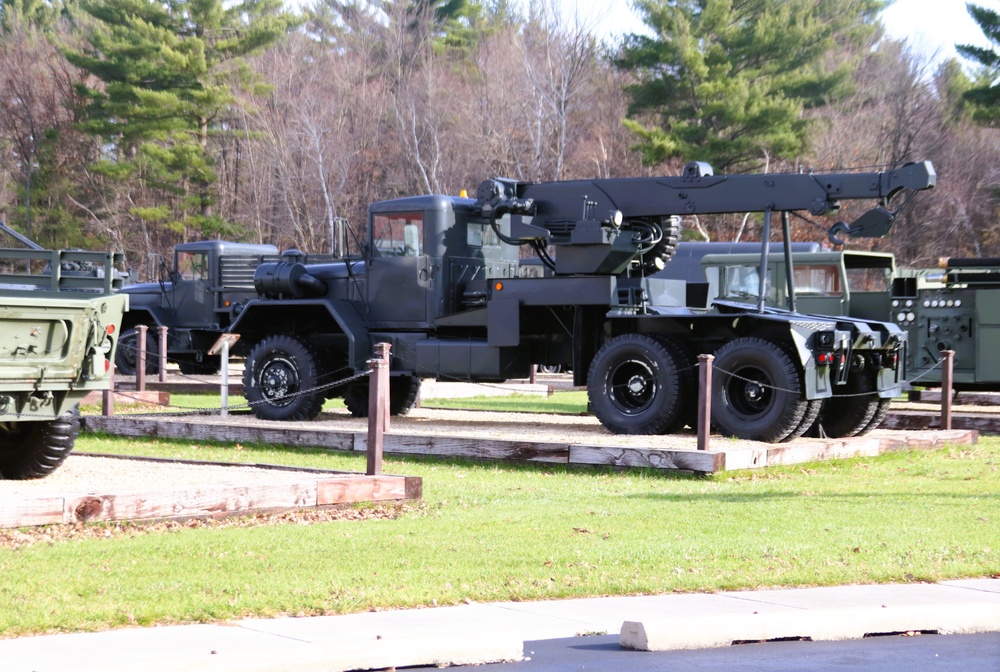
[
  {"x": 828, "y": 283},
  {"x": 825, "y": 282},
  {"x": 197, "y": 300},
  {"x": 955, "y": 307},
  {"x": 438, "y": 278},
  {"x": 60, "y": 323},
  {"x": 952, "y": 308}
]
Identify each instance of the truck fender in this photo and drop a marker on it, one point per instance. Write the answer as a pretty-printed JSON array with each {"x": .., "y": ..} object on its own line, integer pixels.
[
  {"x": 151, "y": 318},
  {"x": 262, "y": 317}
]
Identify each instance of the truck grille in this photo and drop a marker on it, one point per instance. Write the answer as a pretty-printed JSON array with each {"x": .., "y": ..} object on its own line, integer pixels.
[{"x": 236, "y": 272}]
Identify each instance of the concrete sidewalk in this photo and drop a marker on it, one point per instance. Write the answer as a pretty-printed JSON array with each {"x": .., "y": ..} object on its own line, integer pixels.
[{"x": 482, "y": 633}]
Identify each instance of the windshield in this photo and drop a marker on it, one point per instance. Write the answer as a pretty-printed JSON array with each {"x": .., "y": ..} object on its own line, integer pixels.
[
  {"x": 740, "y": 282},
  {"x": 743, "y": 282}
]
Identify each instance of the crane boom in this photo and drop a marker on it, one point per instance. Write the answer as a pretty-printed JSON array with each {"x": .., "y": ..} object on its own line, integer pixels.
[{"x": 597, "y": 212}]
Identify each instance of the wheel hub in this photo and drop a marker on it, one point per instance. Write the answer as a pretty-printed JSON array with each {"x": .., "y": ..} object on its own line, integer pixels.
[
  {"x": 637, "y": 385},
  {"x": 754, "y": 392},
  {"x": 277, "y": 381},
  {"x": 632, "y": 386},
  {"x": 749, "y": 392}
]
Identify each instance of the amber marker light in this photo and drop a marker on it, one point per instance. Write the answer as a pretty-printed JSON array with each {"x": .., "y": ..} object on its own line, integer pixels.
[{"x": 498, "y": 286}]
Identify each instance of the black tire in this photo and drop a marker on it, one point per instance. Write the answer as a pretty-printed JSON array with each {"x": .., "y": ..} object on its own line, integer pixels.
[
  {"x": 209, "y": 366},
  {"x": 128, "y": 350},
  {"x": 881, "y": 410},
  {"x": 813, "y": 409},
  {"x": 403, "y": 393},
  {"x": 639, "y": 384},
  {"x": 756, "y": 391},
  {"x": 36, "y": 449},
  {"x": 852, "y": 407},
  {"x": 279, "y": 379}
]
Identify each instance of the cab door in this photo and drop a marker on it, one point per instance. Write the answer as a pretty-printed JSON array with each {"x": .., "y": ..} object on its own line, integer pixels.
[
  {"x": 399, "y": 276},
  {"x": 191, "y": 296}
]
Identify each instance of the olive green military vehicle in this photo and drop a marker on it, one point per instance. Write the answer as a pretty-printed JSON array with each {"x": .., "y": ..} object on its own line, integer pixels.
[
  {"x": 951, "y": 308},
  {"x": 825, "y": 282},
  {"x": 59, "y": 324}
]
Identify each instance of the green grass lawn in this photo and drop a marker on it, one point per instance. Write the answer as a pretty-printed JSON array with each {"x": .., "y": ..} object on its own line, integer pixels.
[
  {"x": 488, "y": 531},
  {"x": 558, "y": 402}
]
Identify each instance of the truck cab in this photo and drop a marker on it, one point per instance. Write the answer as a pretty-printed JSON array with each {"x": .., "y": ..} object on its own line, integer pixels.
[
  {"x": 846, "y": 282},
  {"x": 430, "y": 258},
  {"x": 196, "y": 300}
]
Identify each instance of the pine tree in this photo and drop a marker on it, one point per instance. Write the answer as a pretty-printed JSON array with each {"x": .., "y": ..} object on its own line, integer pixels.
[
  {"x": 985, "y": 94},
  {"x": 164, "y": 69},
  {"x": 726, "y": 81}
]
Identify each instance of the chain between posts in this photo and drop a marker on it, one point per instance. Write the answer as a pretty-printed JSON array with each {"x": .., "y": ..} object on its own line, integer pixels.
[{"x": 379, "y": 390}]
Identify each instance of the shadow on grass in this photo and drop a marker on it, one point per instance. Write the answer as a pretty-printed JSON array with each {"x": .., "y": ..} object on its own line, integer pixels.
[{"x": 756, "y": 497}]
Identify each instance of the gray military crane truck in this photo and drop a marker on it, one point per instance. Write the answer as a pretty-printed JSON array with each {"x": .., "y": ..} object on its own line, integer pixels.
[
  {"x": 438, "y": 279},
  {"x": 59, "y": 327},
  {"x": 196, "y": 300}
]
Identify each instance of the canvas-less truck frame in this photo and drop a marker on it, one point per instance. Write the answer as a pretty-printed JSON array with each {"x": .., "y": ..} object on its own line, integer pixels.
[{"x": 60, "y": 317}]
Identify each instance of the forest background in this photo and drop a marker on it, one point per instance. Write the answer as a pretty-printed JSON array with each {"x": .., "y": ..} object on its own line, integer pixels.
[{"x": 134, "y": 125}]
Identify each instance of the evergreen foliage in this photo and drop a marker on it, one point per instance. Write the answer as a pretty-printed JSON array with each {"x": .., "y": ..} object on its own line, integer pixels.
[
  {"x": 726, "y": 81},
  {"x": 165, "y": 69},
  {"x": 35, "y": 12},
  {"x": 985, "y": 94}
]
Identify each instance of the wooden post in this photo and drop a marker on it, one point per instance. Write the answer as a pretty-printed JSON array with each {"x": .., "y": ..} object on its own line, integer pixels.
[
  {"x": 140, "y": 357},
  {"x": 947, "y": 371},
  {"x": 163, "y": 353},
  {"x": 704, "y": 400},
  {"x": 378, "y": 407},
  {"x": 534, "y": 372},
  {"x": 108, "y": 396}
]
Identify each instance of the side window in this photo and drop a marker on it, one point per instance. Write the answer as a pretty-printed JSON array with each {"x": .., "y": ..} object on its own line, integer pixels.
[
  {"x": 869, "y": 279},
  {"x": 398, "y": 234},
  {"x": 819, "y": 280},
  {"x": 192, "y": 265},
  {"x": 483, "y": 235}
]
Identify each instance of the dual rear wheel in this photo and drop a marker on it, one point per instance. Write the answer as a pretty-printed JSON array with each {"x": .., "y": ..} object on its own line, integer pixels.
[
  {"x": 757, "y": 395},
  {"x": 645, "y": 384}
]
